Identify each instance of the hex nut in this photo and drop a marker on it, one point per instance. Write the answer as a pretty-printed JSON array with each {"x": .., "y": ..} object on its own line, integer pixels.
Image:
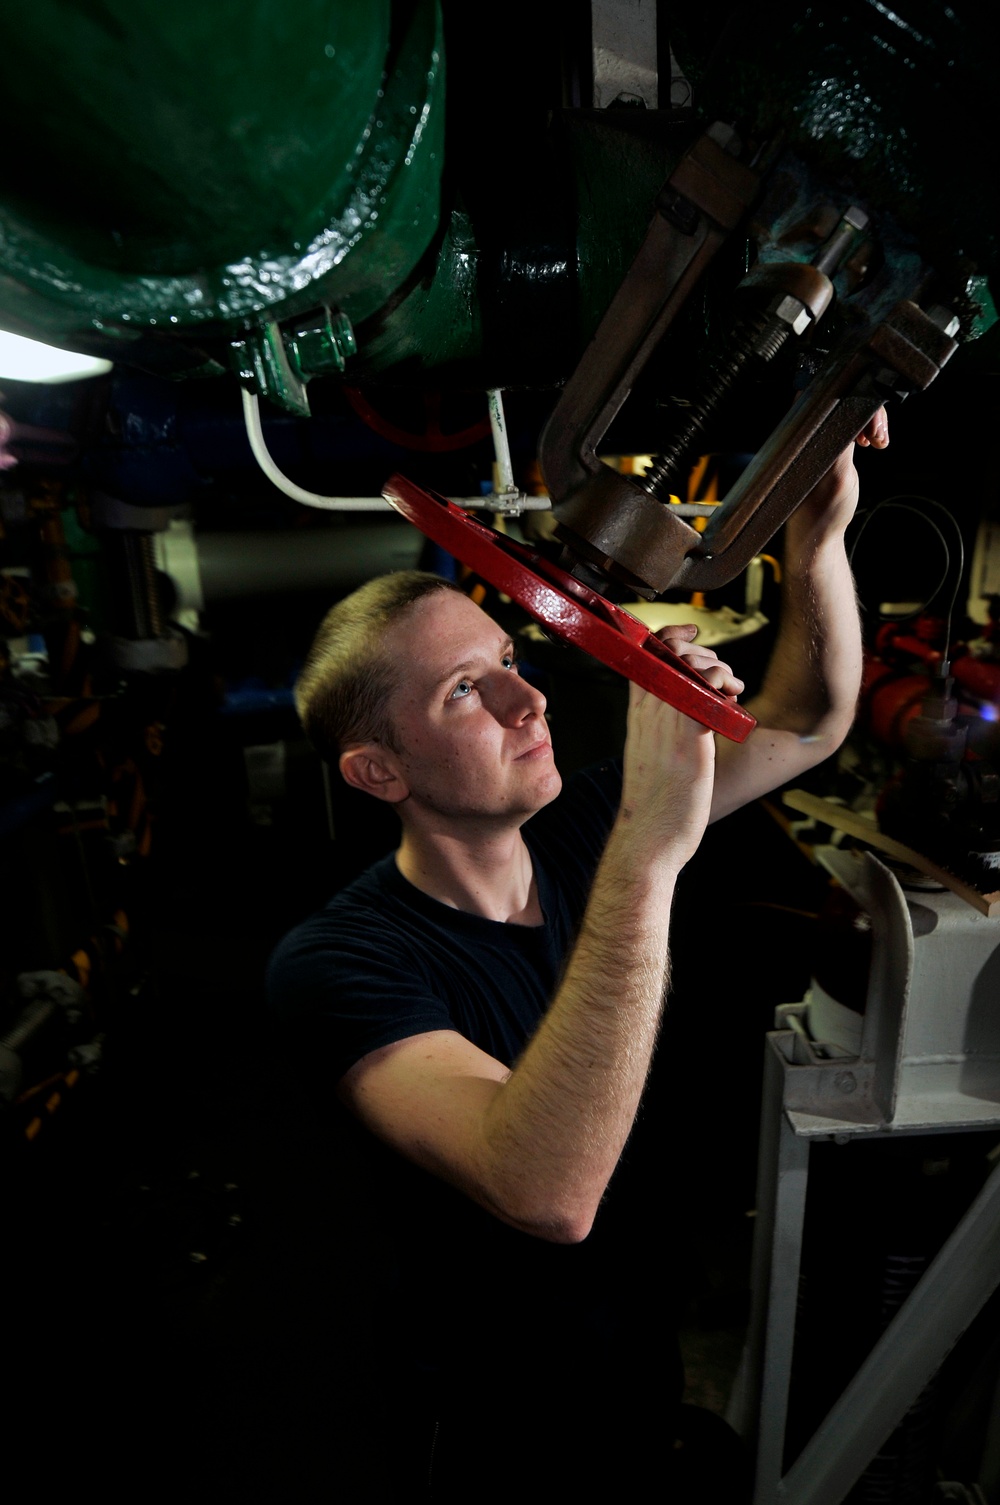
[{"x": 793, "y": 312}]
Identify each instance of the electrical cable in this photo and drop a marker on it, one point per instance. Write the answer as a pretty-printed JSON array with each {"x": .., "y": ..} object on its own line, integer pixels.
[{"x": 903, "y": 505}]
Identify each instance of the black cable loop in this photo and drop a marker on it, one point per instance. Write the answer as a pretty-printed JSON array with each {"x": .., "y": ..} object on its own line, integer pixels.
[{"x": 902, "y": 505}]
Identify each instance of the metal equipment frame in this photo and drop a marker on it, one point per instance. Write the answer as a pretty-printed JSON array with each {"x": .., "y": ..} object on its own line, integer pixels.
[{"x": 928, "y": 1062}]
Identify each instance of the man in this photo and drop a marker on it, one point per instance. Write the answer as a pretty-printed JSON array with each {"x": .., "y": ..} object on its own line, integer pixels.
[{"x": 489, "y": 999}]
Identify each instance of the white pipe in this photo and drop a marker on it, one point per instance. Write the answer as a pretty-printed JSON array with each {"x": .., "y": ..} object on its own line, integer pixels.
[
  {"x": 505, "y": 470},
  {"x": 255, "y": 433}
]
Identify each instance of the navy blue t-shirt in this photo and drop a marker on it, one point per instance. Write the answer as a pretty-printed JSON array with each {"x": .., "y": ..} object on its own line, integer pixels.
[{"x": 383, "y": 961}]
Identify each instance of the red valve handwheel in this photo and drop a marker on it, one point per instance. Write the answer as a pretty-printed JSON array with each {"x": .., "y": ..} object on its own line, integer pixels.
[{"x": 569, "y": 609}]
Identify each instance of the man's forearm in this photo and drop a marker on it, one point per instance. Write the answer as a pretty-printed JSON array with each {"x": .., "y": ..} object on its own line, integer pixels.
[
  {"x": 555, "y": 1132},
  {"x": 537, "y": 1144},
  {"x": 807, "y": 702},
  {"x": 812, "y": 681}
]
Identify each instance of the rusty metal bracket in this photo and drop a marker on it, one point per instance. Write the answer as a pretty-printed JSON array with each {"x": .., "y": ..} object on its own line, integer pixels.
[
  {"x": 703, "y": 200},
  {"x": 902, "y": 354},
  {"x": 619, "y": 528}
]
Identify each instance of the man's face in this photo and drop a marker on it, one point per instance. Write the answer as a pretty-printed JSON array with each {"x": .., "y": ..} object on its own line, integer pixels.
[{"x": 473, "y": 733}]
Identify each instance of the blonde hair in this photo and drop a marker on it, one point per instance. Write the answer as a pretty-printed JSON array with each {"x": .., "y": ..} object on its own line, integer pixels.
[{"x": 342, "y": 692}]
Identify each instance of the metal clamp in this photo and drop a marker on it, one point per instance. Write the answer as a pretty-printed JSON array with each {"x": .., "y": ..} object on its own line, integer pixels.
[
  {"x": 902, "y": 354},
  {"x": 704, "y": 199}
]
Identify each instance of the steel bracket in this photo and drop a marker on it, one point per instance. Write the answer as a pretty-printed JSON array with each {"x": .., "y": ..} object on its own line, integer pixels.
[
  {"x": 703, "y": 200},
  {"x": 609, "y": 521}
]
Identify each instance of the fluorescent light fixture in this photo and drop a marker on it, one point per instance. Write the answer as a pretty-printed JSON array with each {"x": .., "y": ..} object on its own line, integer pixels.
[{"x": 29, "y": 360}]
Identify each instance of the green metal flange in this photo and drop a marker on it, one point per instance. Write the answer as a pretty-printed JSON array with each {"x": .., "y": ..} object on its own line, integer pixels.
[
  {"x": 276, "y": 363},
  {"x": 200, "y": 170},
  {"x": 261, "y": 363}
]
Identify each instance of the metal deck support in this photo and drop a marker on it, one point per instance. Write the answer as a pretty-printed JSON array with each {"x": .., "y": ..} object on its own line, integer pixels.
[
  {"x": 759, "y": 1403},
  {"x": 928, "y": 1062},
  {"x": 905, "y": 1359}
]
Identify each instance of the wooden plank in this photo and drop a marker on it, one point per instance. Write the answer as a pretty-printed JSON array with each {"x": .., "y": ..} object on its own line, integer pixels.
[{"x": 841, "y": 819}]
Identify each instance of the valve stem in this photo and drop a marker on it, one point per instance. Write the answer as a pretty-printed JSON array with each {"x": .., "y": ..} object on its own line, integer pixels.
[{"x": 756, "y": 340}]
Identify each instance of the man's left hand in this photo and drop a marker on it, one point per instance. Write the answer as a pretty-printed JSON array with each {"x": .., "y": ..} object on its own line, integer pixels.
[
  {"x": 875, "y": 431},
  {"x": 829, "y": 507}
]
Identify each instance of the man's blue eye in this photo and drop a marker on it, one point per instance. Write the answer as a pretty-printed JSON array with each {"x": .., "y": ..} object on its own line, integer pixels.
[
  {"x": 463, "y": 688},
  {"x": 509, "y": 661}
]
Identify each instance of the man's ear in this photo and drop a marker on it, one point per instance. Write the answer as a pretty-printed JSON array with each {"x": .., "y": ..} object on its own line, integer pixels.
[{"x": 372, "y": 768}]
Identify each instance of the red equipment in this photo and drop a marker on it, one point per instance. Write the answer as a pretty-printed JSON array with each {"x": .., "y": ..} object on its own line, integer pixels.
[{"x": 569, "y": 609}]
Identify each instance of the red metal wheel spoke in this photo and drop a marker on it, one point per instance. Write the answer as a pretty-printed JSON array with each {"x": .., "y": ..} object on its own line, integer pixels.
[{"x": 569, "y": 609}]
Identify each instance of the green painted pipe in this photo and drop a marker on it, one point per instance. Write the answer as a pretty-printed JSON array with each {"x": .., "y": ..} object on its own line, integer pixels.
[
  {"x": 190, "y": 170},
  {"x": 280, "y": 190}
]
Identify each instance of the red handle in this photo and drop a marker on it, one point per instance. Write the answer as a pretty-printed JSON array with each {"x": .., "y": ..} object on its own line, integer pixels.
[{"x": 569, "y": 609}]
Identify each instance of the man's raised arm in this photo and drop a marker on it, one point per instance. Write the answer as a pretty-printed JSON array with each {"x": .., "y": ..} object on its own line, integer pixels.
[{"x": 808, "y": 699}]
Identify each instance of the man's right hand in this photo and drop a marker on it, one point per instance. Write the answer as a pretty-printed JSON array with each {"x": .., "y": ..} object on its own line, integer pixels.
[
  {"x": 668, "y": 777},
  {"x": 681, "y": 638}
]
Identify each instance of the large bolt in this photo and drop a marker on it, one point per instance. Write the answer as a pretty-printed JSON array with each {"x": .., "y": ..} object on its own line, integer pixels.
[{"x": 322, "y": 343}]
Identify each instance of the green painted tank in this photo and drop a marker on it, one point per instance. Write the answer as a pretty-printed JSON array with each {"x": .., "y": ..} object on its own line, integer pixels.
[
  {"x": 892, "y": 101},
  {"x": 185, "y": 170},
  {"x": 289, "y": 190}
]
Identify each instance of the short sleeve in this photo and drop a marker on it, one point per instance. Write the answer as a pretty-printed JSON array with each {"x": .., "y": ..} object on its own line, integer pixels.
[{"x": 343, "y": 992}]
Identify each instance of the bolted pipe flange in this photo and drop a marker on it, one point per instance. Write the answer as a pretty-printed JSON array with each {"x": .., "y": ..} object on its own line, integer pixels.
[{"x": 276, "y": 363}]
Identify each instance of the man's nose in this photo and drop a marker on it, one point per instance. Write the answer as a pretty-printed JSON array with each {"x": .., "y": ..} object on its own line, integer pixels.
[{"x": 516, "y": 700}]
